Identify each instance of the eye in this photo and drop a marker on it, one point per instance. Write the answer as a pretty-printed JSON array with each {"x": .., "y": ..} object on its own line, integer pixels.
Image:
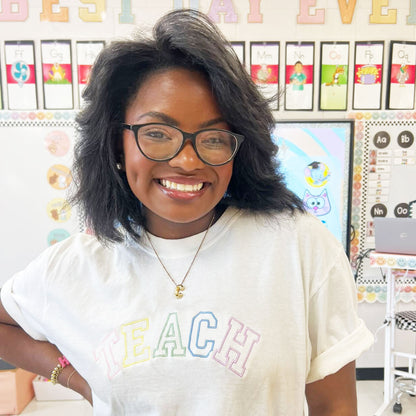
[
  {"x": 157, "y": 133},
  {"x": 216, "y": 139}
]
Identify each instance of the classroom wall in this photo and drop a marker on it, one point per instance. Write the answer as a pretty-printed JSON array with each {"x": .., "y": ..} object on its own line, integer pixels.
[{"x": 241, "y": 21}]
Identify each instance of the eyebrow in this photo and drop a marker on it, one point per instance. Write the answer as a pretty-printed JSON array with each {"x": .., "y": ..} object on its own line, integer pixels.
[{"x": 169, "y": 120}]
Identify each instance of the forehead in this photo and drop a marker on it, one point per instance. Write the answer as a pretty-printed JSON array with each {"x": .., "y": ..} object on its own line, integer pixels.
[{"x": 179, "y": 93}]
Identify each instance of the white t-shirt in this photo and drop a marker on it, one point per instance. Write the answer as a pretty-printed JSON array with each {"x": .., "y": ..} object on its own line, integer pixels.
[{"x": 269, "y": 305}]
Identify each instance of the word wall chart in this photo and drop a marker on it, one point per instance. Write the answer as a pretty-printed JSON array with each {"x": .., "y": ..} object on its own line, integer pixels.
[{"x": 383, "y": 186}]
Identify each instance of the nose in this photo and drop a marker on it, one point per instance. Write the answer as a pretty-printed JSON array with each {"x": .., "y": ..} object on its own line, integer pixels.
[{"x": 187, "y": 159}]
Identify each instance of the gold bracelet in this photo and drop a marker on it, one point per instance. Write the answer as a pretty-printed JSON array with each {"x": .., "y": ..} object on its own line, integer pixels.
[
  {"x": 55, "y": 373},
  {"x": 63, "y": 362},
  {"x": 69, "y": 378}
]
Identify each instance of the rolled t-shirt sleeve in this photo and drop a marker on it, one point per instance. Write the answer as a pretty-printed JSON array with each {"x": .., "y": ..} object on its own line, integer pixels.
[
  {"x": 24, "y": 296},
  {"x": 336, "y": 333}
]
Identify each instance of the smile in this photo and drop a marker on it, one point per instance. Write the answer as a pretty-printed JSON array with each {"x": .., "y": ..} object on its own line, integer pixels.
[{"x": 181, "y": 186}]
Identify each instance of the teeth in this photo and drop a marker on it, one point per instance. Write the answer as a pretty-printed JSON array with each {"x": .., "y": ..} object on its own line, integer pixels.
[{"x": 181, "y": 186}]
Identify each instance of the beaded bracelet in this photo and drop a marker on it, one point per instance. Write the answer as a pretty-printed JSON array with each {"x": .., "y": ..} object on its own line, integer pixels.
[{"x": 63, "y": 362}]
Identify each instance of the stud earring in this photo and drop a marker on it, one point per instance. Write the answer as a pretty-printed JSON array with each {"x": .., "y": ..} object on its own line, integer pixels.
[{"x": 118, "y": 166}]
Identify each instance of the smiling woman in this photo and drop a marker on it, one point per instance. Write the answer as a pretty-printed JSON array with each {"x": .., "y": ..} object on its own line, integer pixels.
[
  {"x": 184, "y": 189},
  {"x": 204, "y": 287}
]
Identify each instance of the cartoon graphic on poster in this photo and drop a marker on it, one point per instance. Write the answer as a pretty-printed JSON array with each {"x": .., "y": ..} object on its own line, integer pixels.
[
  {"x": 317, "y": 204},
  {"x": 315, "y": 157},
  {"x": 368, "y": 74},
  {"x": 21, "y": 75},
  {"x": 317, "y": 174},
  {"x": 334, "y": 76},
  {"x": 57, "y": 74},
  {"x": 264, "y": 68},
  {"x": 299, "y": 75},
  {"x": 401, "y": 93}
]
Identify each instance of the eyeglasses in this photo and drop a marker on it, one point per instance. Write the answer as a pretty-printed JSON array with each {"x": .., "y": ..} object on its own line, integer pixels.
[{"x": 162, "y": 142}]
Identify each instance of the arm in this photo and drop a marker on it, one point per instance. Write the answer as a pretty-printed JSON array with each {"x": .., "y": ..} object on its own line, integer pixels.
[
  {"x": 334, "y": 395},
  {"x": 39, "y": 357}
]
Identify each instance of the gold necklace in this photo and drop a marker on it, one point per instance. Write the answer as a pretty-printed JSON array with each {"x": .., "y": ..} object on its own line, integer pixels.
[{"x": 179, "y": 288}]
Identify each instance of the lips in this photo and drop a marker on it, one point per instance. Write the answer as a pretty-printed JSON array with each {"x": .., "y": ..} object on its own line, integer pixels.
[{"x": 182, "y": 187}]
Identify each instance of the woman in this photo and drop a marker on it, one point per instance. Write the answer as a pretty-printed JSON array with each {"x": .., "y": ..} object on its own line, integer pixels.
[{"x": 205, "y": 289}]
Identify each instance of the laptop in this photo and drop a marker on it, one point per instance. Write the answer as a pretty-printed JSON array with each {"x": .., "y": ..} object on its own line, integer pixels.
[{"x": 395, "y": 235}]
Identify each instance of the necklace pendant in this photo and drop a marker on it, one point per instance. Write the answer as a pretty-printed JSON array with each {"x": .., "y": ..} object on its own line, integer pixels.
[{"x": 178, "y": 291}]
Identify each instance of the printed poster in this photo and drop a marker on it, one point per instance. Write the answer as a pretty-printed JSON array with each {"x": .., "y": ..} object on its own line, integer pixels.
[
  {"x": 368, "y": 75},
  {"x": 299, "y": 75},
  {"x": 57, "y": 74},
  {"x": 21, "y": 75},
  {"x": 86, "y": 54},
  {"x": 401, "y": 93},
  {"x": 334, "y": 76},
  {"x": 1, "y": 95},
  {"x": 315, "y": 158},
  {"x": 240, "y": 49},
  {"x": 264, "y": 69}
]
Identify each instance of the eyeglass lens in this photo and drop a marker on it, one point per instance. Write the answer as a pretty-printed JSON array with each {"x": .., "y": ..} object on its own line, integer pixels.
[{"x": 161, "y": 142}]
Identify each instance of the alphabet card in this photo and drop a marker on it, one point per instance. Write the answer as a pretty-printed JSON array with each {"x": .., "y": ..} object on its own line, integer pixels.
[
  {"x": 334, "y": 76},
  {"x": 401, "y": 92},
  {"x": 264, "y": 69},
  {"x": 1, "y": 95},
  {"x": 299, "y": 75},
  {"x": 57, "y": 74},
  {"x": 21, "y": 75},
  {"x": 368, "y": 75},
  {"x": 240, "y": 50},
  {"x": 86, "y": 54}
]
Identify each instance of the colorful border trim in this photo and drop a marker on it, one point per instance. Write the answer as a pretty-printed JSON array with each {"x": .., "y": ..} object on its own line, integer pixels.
[
  {"x": 6, "y": 115},
  {"x": 372, "y": 292}
]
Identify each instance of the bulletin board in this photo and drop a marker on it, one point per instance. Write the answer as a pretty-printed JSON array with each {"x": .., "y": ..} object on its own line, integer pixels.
[
  {"x": 315, "y": 157},
  {"x": 383, "y": 185},
  {"x": 35, "y": 179}
]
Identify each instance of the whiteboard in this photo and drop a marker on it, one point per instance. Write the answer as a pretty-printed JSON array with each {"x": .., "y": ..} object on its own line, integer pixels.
[{"x": 35, "y": 178}]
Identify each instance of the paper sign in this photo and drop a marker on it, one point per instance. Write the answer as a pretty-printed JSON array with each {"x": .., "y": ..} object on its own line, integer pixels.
[
  {"x": 21, "y": 75},
  {"x": 57, "y": 74},
  {"x": 368, "y": 75},
  {"x": 240, "y": 50},
  {"x": 334, "y": 76},
  {"x": 401, "y": 93},
  {"x": 86, "y": 54},
  {"x": 264, "y": 69},
  {"x": 299, "y": 75}
]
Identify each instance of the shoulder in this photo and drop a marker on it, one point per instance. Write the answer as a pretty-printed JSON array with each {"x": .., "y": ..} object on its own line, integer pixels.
[
  {"x": 78, "y": 249},
  {"x": 295, "y": 231}
]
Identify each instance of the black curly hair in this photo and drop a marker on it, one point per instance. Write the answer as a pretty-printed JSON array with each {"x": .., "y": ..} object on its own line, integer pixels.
[{"x": 182, "y": 38}]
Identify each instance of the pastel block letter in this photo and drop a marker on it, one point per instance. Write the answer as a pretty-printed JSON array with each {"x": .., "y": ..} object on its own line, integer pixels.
[
  {"x": 135, "y": 350},
  {"x": 222, "y": 7},
  {"x": 48, "y": 15},
  {"x": 104, "y": 354},
  {"x": 92, "y": 16},
  {"x": 18, "y": 14},
  {"x": 198, "y": 345},
  {"x": 170, "y": 341},
  {"x": 378, "y": 17},
  {"x": 236, "y": 347},
  {"x": 305, "y": 17}
]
